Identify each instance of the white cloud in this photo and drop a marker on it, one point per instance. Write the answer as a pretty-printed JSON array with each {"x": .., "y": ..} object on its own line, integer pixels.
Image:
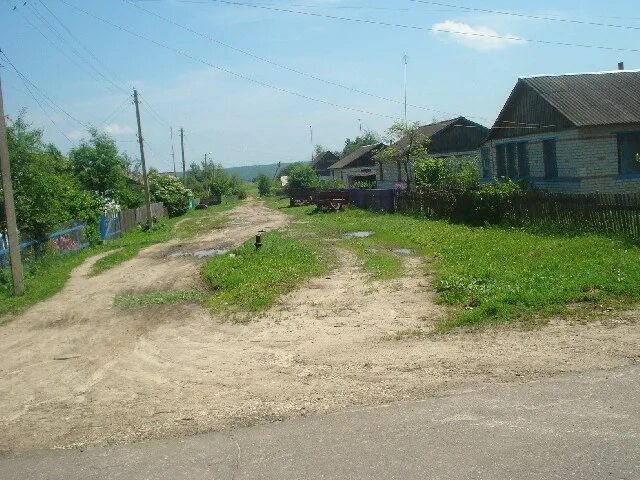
[
  {"x": 476, "y": 37},
  {"x": 117, "y": 129}
]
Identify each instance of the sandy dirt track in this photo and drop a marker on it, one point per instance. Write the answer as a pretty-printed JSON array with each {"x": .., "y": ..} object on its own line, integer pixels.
[{"x": 75, "y": 370}]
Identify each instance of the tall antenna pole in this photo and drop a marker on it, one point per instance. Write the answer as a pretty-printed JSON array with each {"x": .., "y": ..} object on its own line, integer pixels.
[
  {"x": 360, "y": 123},
  {"x": 173, "y": 154},
  {"x": 145, "y": 180},
  {"x": 184, "y": 164},
  {"x": 9, "y": 207},
  {"x": 405, "y": 60},
  {"x": 311, "y": 132}
]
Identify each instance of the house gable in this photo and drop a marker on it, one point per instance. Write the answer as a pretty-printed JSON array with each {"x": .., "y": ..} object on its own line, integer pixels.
[
  {"x": 526, "y": 112},
  {"x": 462, "y": 135}
]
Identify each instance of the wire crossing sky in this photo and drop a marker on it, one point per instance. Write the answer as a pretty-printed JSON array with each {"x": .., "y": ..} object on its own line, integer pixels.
[{"x": 247, "y": 78}]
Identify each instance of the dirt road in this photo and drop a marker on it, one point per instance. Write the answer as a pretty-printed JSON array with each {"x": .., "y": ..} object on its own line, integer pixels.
[{"x": 75, "y": 370}]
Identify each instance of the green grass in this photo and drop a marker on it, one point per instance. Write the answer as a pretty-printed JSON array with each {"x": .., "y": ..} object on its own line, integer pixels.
[
  {"x": 194, "y": 223},
  {"x": 46, "y": 277},
  {"x": 496, "y": 275},
  {"x": 137, "y": 300},
  {"x": 250, "y": 281}
]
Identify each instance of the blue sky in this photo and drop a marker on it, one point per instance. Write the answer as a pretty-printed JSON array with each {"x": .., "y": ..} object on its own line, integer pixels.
[{"x": 245, "y": 123}]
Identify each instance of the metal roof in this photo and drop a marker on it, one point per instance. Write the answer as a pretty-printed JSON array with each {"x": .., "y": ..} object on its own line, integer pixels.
[
  {"x": 324, "y": 157},
  {"x": 352, "y": 157},
  {"x": 592, "y": 99}
]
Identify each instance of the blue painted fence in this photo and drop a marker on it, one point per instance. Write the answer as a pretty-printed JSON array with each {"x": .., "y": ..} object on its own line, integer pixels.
[{"x": 69, "y": 238}]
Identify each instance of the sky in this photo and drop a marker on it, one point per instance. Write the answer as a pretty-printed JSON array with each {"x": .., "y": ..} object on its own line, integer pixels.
[{"x": 249, "y": 84}]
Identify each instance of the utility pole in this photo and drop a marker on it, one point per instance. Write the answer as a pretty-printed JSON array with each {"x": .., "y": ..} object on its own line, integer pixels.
[
  {"x": 311, "y": 132},
  {"x": 9, "y": 207},
  {"x": 145, "y": 180},
  {"x": 173, "y": 154},
  {"x": 184, "y": 165},
  {"x": 360, "y": 123},
  {"x": 405, "y": 60}
]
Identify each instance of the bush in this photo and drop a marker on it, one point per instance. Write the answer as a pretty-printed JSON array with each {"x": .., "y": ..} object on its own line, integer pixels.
[
  {"x": 264, "y": 184},
  {"x": 492, "y": 200},
  {"x": 364, "y": 185},
  {"x": 331, "y": 184},
  {"x": 302, "y": 176},
  {"x": 171, "y": 192},
  {"x": 447, "y": 174}
]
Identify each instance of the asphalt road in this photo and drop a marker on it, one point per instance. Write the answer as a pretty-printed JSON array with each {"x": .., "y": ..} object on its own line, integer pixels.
[{"x": 570, "y": 427}]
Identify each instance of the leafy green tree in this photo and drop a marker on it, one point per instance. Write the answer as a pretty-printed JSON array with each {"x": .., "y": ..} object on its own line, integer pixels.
[
  {"x": 446, "y": 174},
  {"x": 264, "y": 183},
  {"x": 171, "y": 192},
  {"x": 46, "y": 192},
  {"x": 302, "y": 176},
  {"x": 100, "y": 168},
  {"x": 368, "y": 137},
  {"x": 208, "y": 180},
  {"x": 408, "y": 146}
]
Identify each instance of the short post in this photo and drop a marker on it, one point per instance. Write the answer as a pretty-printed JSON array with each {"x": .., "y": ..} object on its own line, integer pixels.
[{"x": 258, "y": 243}]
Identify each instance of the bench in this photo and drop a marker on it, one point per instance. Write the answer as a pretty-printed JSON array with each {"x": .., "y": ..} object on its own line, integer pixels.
[{"x": 332, "y": 200}]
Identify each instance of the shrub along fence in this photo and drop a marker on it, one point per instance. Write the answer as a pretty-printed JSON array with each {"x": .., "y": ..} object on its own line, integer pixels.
[
  {"x": 616, "y": 214},
  {"x": 115, "y": 224}
]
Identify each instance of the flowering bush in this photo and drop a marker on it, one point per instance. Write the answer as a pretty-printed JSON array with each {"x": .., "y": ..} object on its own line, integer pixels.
[{"x": 171, "y": 192}]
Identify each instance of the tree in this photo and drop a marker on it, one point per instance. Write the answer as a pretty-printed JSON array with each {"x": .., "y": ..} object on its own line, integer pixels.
[
  {"x": 171, "y": 192},
  {"x": 409, "y": 145},
  {"x": 302, "y": 176},
  {"x": 460, "y": 174},
  {"x": 47, "y": 194},
  {"x": 208, "y": 180},
  {"x": 264, "y": 184},
  {"x": 101, "y": 169},
  {"x": 369, "y": 137}
]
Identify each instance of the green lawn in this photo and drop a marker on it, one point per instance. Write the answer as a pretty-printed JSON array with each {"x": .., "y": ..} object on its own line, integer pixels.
[
  {"x": 495, "y": 275},
  {"x": 47, "y": 276},
  {"x": 248, "y": 280}
]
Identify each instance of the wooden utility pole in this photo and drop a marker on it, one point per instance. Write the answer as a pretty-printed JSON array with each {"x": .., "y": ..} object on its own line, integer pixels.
[
  {"x": 173, "y": 154},
  {"x": 9, "y": 206},
  {"x": 184, "y": 164},
  {"x": 147, "y": 195}
]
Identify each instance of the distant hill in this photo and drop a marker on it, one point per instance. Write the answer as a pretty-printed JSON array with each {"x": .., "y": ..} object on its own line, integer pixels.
[{"x": 252, "y": 171}]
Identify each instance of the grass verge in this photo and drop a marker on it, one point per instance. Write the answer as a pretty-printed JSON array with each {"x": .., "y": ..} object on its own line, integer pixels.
[
  {"x": 250, "y": 281},
  {"x": 495, "y": 275},
  {"x": 137, "y": 300}
]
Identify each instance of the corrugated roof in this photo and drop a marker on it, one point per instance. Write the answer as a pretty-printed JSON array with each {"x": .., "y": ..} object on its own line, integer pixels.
[
  {"x": 592, "y": 99},
  {"x": 352, "y": 157}
]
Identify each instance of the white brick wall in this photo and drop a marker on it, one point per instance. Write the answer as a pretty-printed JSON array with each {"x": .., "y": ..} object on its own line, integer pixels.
[{"x": 587, "y": 161}]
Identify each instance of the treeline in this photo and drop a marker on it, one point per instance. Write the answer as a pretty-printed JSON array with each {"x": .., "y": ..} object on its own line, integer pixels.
[{"x": 52, "y": 189}]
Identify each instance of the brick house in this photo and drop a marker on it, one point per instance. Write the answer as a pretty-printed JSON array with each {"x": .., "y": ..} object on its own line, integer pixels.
[
  {"x": 454, "y": 138},
  {"x": 357, "y": 166},
  {"x": 322, "y": 162},
  {"x": 577, "y": 133}
]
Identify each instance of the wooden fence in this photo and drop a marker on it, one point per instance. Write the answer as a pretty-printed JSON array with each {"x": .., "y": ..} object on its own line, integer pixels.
[
  {"x": 614, "y": 214},
  {"x": 115, "y": 224}
]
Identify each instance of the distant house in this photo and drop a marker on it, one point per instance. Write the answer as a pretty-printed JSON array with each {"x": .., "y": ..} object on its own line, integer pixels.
[
  {"x": 454, "y": 138},
  {"x": 357, "y": 166},
  {"x": 322, "y": 162},
  {"x": 577, "y": 133}
]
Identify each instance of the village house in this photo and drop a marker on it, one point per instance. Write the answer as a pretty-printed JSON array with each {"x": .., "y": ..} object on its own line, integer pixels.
[
  {"x": 576, "y": 133},
  {"x": 359, "y": 166},
  {"x": 322, "y": 162},
  {"x": 455, "y": 138}
]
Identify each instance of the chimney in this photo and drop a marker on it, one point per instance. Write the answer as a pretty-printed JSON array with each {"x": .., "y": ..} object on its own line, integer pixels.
[{"x": 620, "y": 65}]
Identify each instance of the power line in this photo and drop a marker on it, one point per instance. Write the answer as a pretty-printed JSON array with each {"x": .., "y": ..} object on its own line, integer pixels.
[
  {"x": 86, "y": 49},
  {"x": 24, "y": 77},
  {"x": 430, "y": 29},
  {"x": 279, "y": 65},
  {"x": 222, "y": 69},
  {"x": 529, "y": 16}
]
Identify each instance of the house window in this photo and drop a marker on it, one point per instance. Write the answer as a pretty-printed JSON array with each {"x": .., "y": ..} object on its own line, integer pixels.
[
  {"x": 511, "y": 161},
  {"x": 485, "y": 158},
  {"x": 523, "y": 160},
  {"x": 629, "y": 152},
  {"x": 549, "y": 157},
  {"x": 501, "y": 160}
]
